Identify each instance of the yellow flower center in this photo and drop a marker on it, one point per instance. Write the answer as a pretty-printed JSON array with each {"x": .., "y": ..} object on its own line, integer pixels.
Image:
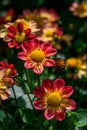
[
  {"x": 8, "y": 72},
  {"x": 37, "y": 55},
  {"x": 49, "y": 32},
  {"x": 20, "y": 37},
  {"x": 54, "y": 99}
]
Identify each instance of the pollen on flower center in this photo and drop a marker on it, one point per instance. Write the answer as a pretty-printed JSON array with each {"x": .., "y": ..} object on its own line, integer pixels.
[
  {"x": 20, "y": 37},
  {"x": 54, "y": 99},
  {"x": 37, "y": 55}
]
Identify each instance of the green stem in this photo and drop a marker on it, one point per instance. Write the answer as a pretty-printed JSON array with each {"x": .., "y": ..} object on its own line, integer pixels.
[
  {"x": 38, "y": 79},
  {"x": 28, "y": 79},
  {"x": 15, "y": 97}
]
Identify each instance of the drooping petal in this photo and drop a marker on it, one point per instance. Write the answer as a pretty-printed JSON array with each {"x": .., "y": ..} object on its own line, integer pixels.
[
  {"x": 60, "y": 115},
  {"x": 48, "y": 62},
  {"x": 38, "y": 68},
  {"x": 50, "y": 52},
  {"x": 47, "y": 85},
  {"x": 67, "y": 91},
  {"x": 39, "y": 92},
  {"x": 49, "y": 113},
  {"x": 59, "y": 83},
  {"x": 39, "y": 104},
  {"x": 28, "y": 64},
  {"x": 70, "y": 104}
]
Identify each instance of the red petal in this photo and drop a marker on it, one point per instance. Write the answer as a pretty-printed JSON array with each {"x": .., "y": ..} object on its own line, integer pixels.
[
  {"x": 59, "y": 83},
  {"x": 11, "y": 44},
  {"x": 49, "y": 113},
  {"x": 50, "y": 52},
  {"x": 70, "y": 105},
  {"x": 38, "y": 104},
  {"x": 48, "y": 85},
  {"x": 60, "y": 115},
  {"x": 28, "y": 65},
  {"x": 45, "y": 46},
  {"x": 12, "y": 30},
  {"x": 20, "y": 27},
  {"x": 31, "y": 36},
  {"x": 48, "y": 62},
  {"x": 28, "y": 32},
  {"x": 27, "y": 47},
  {"x": 35, "y": 43},
  {"x": 39, "y": 92},
  {"x": 67, "y": 91},
  {"x": 38, "y": 68},
  {"x": 22, "y": 56}
]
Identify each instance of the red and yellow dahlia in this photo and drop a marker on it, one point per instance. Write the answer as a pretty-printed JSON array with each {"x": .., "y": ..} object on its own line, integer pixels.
[
  {"x": 36, "y": 55},
  {"x": 53, "y": 97},
  {"x": 16, "y": 36}
]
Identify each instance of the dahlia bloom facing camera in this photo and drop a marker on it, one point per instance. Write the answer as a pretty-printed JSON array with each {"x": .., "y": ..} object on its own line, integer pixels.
[
  {"x": 36, "y": 55},
  {"x": 53, "y": 97}
]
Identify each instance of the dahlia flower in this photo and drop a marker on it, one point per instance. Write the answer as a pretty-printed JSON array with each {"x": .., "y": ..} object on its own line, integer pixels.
[
  {"x": 36, "y": 55},
  {"x": 53, "y": 98}
]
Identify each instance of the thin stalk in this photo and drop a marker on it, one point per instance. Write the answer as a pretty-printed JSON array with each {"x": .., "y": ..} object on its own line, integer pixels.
[
  {"x": 15, "y": 97},
  {"x": 28, "y": 79},
  {"x": 38, "y": 79}
]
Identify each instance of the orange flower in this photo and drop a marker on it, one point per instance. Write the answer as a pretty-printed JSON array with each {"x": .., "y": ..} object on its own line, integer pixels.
[
  {"x": 36, "y": 55},
  {"x": 54, "y": 98},
  {"x": 79, "y": 10}
]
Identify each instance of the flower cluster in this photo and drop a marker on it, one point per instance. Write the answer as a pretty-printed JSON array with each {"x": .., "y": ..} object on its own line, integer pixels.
[{"x": 36, "y": 39}]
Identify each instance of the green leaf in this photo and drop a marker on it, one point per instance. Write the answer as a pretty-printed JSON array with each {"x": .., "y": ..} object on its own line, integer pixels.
[
  {"x": 27, "y": 115},
  {"x": 2, "y": 115},
  {"x": 82, "y": 118}
]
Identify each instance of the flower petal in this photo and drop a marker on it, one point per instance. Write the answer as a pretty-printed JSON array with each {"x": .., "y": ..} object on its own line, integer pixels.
[
  {"x": 28, "y": 64},
  {"x": 50, "y": 52},
  {"x": 22, "y": 56},
  {"x": 59, "y": 83},
  {"x": 5, "y": 94},
  {"x": 60, "y": 115},
  {"x": 35, "y": 43},
  {"x": 39, "y": 92},
  {"x": 48, "y": 62},
  {"x": 47, "y": 85},
  {"x": 11, "y": 44},
  {"x": 67, "y": 91},
  {"x": 38, "y": 68},
  {"x": 49, "y": 113},
  {"x": 70, "y": 104},
  {"x": 39, "y": 104},
  {"x": 45, "y": 46}
]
